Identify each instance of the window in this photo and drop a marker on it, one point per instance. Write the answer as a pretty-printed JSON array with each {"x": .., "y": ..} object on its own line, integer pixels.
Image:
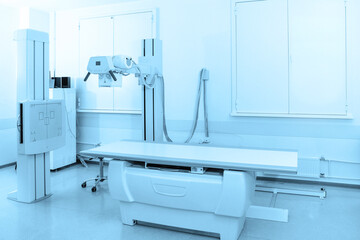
[{"x": 289, "y": 58}]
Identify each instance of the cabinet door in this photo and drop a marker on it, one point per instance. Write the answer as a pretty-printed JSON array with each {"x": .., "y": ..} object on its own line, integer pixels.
[
  {"x": 129, "y": 31},
  {"x": 96, "y": 39},
  {"x": 317, "y": 57},
  {"x": 261, "y": 56}
]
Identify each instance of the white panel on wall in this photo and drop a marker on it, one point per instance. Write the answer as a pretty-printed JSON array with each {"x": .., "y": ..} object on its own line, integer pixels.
[
  {"x": 129, "y": 30},
  {"x": 8, "y": 62},
  {"x": 8, "y": 25},
  {"x": 96, "y": 39},
  {"x": 317, "y": 57},
  {"x": 261, "y": 56},
  {"x": 66, "y": 38},
  {"x": 34, "y": 19},
  {"x": 39, "y": 20}
]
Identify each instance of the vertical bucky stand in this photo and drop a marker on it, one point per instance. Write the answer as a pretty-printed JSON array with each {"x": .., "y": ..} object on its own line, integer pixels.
[
  {"x": 152, "y": 97},
  {"x": 33, "y": 172}
]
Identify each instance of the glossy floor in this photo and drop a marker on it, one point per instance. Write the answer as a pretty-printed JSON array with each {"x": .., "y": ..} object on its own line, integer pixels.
[{"x": 76, "y": 213}]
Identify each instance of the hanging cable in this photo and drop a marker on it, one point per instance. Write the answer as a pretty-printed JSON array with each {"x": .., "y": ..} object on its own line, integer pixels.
[
  {"x": 67, "y": 115},
  {"x": 206, "y": 122},
  {"x": 204, "y": 76},
  {"x": 163, "y": 108}
]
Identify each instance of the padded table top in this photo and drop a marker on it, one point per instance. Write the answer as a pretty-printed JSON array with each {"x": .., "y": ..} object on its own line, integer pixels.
[{"x": 199, "y": 156}]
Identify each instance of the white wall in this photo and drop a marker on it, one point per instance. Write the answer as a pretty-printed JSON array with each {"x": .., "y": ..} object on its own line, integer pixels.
[
  {"x": 34, "y": 19},
  {"x": 197, "y": 34},
  {"x": 8, "y": 62},
  {"x": 8, "y": 84},
  {"x": 46, "y": 5}
]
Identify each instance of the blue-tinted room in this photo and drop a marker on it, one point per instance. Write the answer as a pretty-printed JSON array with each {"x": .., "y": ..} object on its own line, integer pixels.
[{"x": 180, "y": 120}]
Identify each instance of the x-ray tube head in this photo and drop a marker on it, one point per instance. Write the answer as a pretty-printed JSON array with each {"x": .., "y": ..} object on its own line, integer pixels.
[
  {"x": 103, "y": 67},
  {"x": 100, "y": 65},
  {"x": 122, "y": 62},
  {"x": 110, "y": 69}
]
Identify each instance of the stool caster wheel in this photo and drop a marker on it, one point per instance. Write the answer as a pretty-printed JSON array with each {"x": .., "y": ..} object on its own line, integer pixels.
[
  {"x": 93, "y": 189},
  {"x": 83, "y": 185}
]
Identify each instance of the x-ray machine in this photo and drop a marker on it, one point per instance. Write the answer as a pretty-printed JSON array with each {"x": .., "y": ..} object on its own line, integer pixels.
[
  {"x": 203, "y": 188},
  {"x": 41, "y": 122}
]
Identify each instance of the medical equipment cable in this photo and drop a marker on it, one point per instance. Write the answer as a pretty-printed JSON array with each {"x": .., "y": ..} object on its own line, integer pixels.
[
  {"x": 163, "y": 107},
  {"x": 202, "y": 80},
  {"x": 67, "y": 114},
  {"x": 196, "y": 117},
  {"x": 206, "y": 122}
]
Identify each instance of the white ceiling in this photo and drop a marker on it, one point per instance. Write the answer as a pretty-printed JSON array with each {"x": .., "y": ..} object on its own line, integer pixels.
[{"x": 50, "y": 5}]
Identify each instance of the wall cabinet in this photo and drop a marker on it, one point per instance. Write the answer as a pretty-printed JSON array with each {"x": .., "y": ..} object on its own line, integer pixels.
[{"x": 289, "y": 58}]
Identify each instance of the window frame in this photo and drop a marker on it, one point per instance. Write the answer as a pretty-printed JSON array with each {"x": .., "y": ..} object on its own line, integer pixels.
[{"x": 234, "y": 81}]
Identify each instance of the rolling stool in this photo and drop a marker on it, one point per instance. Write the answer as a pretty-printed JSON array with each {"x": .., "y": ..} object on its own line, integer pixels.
[{"x": 99, "y": 178}]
